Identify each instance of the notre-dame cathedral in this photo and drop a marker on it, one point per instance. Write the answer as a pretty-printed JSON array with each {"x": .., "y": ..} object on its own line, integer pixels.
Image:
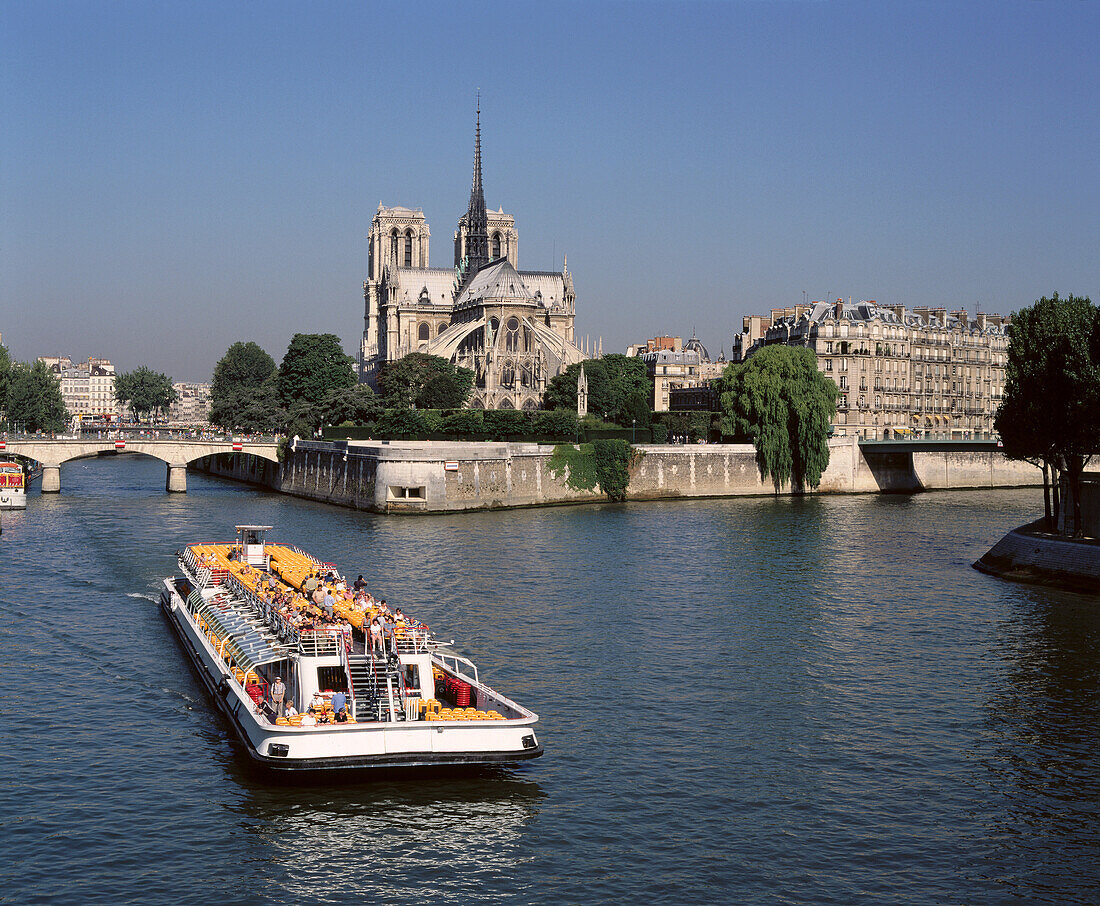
[{"x": 512, "y": 328}]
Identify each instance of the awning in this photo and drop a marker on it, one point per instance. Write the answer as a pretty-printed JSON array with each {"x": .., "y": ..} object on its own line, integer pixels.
[{"x": 248, "y": 641}]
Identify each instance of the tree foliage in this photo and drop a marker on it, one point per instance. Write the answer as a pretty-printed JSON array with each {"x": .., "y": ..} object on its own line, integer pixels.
[
  {"x": 618, "y": 386},
  {"x": 357, "y": 405},
  {"x": 314, "y": 365},
  {"x": 424, "y": 381},
  {"x": 34, "y": 399},
  {"x": 602, "y": 463},
  {"x": 1050, "y": 414},
  {"x": 243, "y": 392},
  {"x": 145, "y": 392},
  {"x": 5, "y": 380},
  {"x": 782, "y": 402}
]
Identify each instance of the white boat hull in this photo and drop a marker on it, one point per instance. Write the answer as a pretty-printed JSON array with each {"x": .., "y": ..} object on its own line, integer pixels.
[
  {"x": 369, "y": 745},
  {"x": 12, "y": 499}
]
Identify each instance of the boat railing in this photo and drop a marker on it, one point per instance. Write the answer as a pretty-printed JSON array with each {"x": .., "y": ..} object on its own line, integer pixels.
[
  {"x": 410, "y": 640},
  {"x": 455, "y": 663},
  {"x": 322, "y": 642}
]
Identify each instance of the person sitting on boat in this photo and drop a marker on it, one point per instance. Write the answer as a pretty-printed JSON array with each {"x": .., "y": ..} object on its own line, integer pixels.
[
  {"x": 310, "y": 585},
  {"x": 376, "y": 633},
  {"x": 399, "y": 618},
  {"x": 291, "y": 711},
  {"x": 339, "y": 704},
  {"x": 308, "y": 720},
  {"x": 359, "y": 585},
  {"x": 318, "y": 595}
]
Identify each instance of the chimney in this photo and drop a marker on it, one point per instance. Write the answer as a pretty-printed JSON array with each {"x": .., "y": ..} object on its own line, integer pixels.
[{"x": 838, "y": 307}]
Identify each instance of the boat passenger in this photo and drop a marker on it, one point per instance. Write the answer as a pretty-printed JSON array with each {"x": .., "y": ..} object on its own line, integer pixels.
[
  {"x": 278, "y": 696},
  {"x": 308, "y": 720},
  {"x": 339, "y": 703},
  {"x": 328, "y": 602},
  {"x": 376, "y": 636},
  {"x": 359, "y": 584}
]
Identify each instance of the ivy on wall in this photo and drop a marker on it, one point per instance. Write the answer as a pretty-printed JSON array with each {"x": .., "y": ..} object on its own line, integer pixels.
[{"x": 602, "y": 463}]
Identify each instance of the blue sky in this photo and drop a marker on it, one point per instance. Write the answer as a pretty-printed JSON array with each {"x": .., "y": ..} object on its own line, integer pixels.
[{"x": 178, "y": 176}]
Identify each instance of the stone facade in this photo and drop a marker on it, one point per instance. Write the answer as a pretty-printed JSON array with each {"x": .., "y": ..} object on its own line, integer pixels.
[
  {"x": 192, "y": 405},
  {"x": 88, "y": 388},
  {"x": 512, "y": 328},
  {"x": 675, "y": 367},
  {"x": 900, "y": 373}
]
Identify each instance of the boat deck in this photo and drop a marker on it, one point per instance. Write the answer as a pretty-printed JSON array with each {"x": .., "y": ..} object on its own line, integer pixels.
[{"x": 257, "y": 617}]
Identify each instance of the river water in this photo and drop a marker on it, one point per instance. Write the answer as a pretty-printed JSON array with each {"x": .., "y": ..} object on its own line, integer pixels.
[{"x": 757, "y": 699}]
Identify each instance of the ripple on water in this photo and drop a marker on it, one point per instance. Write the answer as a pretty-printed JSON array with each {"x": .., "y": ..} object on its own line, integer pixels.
[{"x": 785, "y": 700}]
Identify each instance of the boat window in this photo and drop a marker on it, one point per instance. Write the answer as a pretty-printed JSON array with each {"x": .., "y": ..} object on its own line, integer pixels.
[
  {"x": 332, "y": 678},
  {"x": 412, "y": 677}
]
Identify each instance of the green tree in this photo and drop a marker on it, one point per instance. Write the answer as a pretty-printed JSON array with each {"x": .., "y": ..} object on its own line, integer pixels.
[
  {"x": 243, "y": 392},
  {"x": 619, "y": 387},
  {"x": 424, "y": 381},
  {"x": 358, "y": 405},
  {"x": 34, "y": 399},
  {"x": 314, "y": 365},
  {"x": 5, "y": 380},
  {"x": 1050, "y": 413},
  {"x": 780, "y": 400},
  {"x": 145, "y": 391}
]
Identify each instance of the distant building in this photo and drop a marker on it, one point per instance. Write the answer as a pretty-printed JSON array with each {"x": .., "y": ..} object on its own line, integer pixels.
[
  {"x": 512, "y": 328},
  {"x": 900, "y": 373},
  {"x": 675, "y": 366},
  {"x": 88, "y": 388},
  {"x": 192, "y": 406}
]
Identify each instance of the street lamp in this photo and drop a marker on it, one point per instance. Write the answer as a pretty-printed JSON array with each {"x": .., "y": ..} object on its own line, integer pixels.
[{"x": 633, "y": 426}]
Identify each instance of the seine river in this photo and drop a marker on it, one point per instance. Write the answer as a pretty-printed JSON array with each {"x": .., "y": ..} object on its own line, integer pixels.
[{"x": 741, "y": 700}]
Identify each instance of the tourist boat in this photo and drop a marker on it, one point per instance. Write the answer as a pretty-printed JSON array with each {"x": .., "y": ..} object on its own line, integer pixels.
[
  {"x": 13, "y": 491},
  {"x": 411, "y": 700}
]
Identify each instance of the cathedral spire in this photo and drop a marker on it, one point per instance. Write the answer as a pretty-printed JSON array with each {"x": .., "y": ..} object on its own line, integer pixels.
[{"x": 477, "y": 218}]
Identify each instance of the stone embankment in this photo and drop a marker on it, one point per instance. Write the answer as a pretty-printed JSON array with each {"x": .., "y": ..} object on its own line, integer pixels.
[
  {"x": 436, "y": 477},
  {"x": 1031, "y": 554}
]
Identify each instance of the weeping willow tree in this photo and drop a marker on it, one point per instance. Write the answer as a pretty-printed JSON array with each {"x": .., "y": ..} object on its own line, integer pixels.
[{"x": 785, "y": 405}]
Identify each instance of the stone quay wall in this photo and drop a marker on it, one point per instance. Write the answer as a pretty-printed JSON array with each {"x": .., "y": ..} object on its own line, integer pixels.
[
  {"x": 1030, "y": 554},
  {"x": 436, "y": 477}
]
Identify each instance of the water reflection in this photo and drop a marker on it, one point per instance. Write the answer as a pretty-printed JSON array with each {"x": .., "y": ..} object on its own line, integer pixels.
[
  {"x": 448, "y": 835},
  {"x": 1042, "y": 735}
]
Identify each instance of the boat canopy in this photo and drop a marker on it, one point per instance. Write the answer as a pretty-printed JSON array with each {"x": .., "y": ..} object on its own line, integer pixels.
[{"x": 249, "y": 643}]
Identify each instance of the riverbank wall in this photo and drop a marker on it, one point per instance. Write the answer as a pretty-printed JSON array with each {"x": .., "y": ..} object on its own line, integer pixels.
[
  {"x": 439, "y": 476},
  {"x": 1031, "y": 554}
]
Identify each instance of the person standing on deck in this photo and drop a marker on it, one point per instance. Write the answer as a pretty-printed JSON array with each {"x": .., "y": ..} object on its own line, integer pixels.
[{"x": 278, "y": 696}]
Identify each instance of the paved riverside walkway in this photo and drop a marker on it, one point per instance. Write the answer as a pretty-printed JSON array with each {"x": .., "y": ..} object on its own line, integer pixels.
[{"x": 176, "y": 452}]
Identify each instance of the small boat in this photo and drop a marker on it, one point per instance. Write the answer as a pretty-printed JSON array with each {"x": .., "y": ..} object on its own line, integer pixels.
[
  {"x": 13, "y": 490},
  {"x": 364, "y": 688}
]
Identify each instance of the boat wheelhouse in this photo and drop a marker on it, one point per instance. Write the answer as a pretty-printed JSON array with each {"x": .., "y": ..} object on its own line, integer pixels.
[
  {"x": 13, "y": 490},
  {"x": 363, "y": 687}
]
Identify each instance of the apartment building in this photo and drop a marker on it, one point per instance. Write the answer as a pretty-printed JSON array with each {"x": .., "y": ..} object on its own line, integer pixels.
[{"x": 926, "y": 372}]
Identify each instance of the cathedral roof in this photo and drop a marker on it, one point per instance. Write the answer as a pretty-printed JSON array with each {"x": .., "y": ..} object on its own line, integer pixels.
[
  {"x": 496, "y": 282},
  {"x": 424, "y": 285}
]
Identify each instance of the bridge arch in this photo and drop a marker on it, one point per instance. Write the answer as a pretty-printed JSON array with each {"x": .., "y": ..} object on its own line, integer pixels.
[{"x": 176, "y": 453}]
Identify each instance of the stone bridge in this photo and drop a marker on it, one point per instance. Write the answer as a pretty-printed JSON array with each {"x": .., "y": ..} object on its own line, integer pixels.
[{"x": 174, "y": 451}]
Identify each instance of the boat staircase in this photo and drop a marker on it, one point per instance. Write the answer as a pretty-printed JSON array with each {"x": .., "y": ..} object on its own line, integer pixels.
[{"x": 377, "y": 687}]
